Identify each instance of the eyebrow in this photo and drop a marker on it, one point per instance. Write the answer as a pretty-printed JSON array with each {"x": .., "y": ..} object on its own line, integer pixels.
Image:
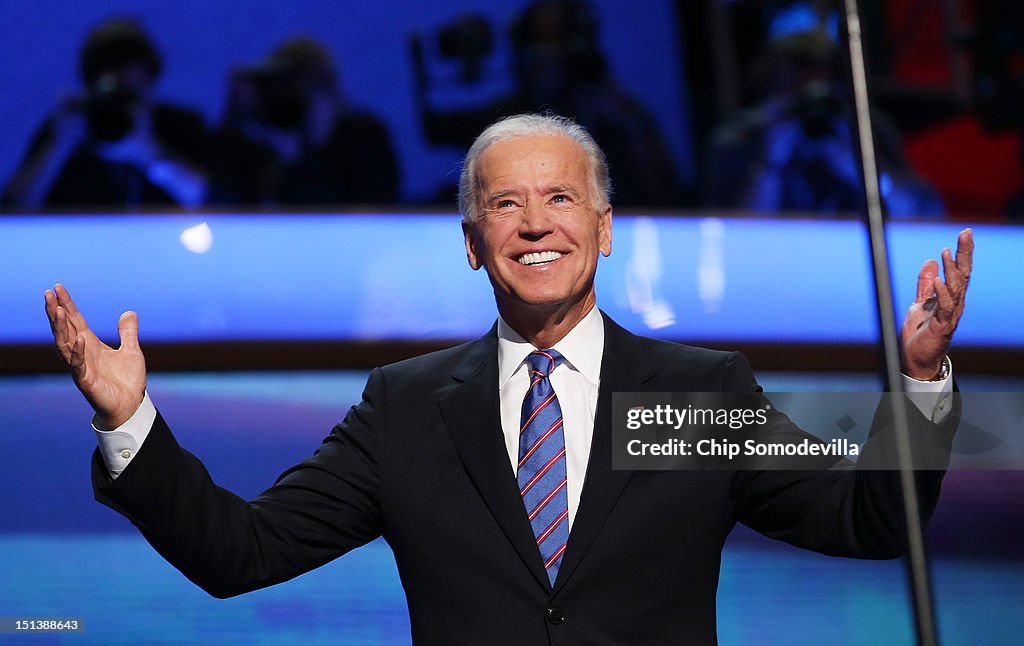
[
  {"x": 561, "y": 188},
  {"x": 497, "y": 195},
  {"x": 506, "y": 192}
]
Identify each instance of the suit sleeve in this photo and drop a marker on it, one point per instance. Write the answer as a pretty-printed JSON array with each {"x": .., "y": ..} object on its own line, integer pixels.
[
  {"x": 316, "y": 511},
  {"x": 832, "y": 507}
]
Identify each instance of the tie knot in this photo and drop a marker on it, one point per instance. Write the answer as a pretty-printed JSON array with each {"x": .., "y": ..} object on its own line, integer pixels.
[{"x": 543, "y": 362}]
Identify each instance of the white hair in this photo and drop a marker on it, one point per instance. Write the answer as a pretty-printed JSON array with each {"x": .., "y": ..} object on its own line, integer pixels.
[{"x": 526, "y": 125}]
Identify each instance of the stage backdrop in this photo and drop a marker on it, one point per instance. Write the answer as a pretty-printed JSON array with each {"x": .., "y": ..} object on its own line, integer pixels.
[{"x": 206, "y": 277}]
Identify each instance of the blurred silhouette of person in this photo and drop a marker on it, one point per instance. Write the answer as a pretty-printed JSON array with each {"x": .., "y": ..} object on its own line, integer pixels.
[
  {"x": 290, "y": 137},
  {"x": 115, "y": 145},
  {"x": 558, "y": 66},
  {"x": 796, "y": 150}
]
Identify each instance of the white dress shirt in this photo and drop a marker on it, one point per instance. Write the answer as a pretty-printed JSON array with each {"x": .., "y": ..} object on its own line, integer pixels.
[{"x": 575, "y": 382}]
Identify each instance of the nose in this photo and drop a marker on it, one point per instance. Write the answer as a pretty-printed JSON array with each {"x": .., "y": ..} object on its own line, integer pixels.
[{"x": 535, "y": 221}]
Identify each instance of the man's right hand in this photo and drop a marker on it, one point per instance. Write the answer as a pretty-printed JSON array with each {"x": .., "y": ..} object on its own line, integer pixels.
[{"x": 113, "y": 381}]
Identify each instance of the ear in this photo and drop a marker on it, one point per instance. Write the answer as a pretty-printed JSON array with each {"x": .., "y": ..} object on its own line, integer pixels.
[
  {"x": 604, "y": 232},
  {"x": 475, "y": 259}
]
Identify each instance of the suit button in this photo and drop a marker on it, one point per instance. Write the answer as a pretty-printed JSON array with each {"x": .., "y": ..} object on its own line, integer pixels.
[{"x": 555, "y": 615}]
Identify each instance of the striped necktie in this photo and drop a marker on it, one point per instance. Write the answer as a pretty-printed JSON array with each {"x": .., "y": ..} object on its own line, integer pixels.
[{"x": 541, "y": 471}]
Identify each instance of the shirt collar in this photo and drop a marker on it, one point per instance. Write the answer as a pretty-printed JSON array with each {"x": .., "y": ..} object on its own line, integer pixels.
[{"x": 578, "y": 348}]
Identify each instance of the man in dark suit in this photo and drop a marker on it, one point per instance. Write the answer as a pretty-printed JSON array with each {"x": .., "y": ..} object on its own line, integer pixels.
[{"x": 487, "y": 466}]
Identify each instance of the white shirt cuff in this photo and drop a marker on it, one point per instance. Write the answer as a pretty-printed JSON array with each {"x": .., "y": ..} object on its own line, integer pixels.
[
  {"x": 932, "y": 398},
  {"x": 119, "y": 446}
]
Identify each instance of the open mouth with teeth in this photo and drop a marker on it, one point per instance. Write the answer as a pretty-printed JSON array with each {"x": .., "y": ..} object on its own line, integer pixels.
[{"x": 539, "y": 258}]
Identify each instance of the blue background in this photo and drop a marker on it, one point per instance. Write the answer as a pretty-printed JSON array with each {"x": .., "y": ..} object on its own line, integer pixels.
[{"x": 352, "y": 276}]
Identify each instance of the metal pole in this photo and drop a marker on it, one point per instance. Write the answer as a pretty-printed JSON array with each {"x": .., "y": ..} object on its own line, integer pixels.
[{"x": 924, "y": 617}]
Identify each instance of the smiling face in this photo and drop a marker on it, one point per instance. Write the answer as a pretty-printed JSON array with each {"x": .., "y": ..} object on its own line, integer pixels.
[{"x": 539, "y": 233}]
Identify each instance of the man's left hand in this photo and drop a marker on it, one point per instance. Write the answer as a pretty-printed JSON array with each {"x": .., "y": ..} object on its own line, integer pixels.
[{"x": 932, "y": 319}]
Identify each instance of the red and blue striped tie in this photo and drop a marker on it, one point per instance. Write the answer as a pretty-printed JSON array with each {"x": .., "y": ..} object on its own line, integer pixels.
[{"x": 541, "y": 471}]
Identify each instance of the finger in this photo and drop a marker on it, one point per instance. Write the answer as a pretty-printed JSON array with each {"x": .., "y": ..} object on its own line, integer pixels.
[
  {"x": 949, "y": 270},
  {"x": 946, "y": 303},
  {"x": 128, "y": 330},
  {"x": 78, "y": 355},
  {"x": 64, "y": 298},
  {"x": 965, "y": 251},
  {"x": 60, "y": 334},
  {"x": 65, "y": 301},
  {"x": 957, "y": 270},
  {"x": 64, "y": 335},
  {"x": 71, "y": 330},
  {"x": 925, "y": 279},
  {"x": 50, "y": 300}
]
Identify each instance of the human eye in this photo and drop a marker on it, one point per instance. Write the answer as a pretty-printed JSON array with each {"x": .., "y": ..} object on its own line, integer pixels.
[
  {"x": 561, "y": 200},
  {"x": 503, "y": 206}
]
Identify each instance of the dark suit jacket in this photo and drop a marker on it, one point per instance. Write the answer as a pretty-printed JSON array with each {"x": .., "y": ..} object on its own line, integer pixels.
[{"x": 422, "y": 461}]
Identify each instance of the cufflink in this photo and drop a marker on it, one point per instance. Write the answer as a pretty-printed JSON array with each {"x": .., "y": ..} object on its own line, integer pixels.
[{"x": 943, "y": 370}]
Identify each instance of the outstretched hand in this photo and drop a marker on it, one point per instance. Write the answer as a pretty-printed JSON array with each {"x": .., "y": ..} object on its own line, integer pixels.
[
  {"x": 932, "y": 319},
  {"x": 113, "y": 381}
]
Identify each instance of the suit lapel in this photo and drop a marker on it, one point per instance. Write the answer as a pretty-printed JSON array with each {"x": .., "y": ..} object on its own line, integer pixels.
[
  {"x": 471, "y": 413},
  {"x": 625, "y": 367}
]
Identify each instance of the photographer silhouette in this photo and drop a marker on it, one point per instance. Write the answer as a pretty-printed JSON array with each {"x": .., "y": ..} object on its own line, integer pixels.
[
  {"x": 289, "y": 136},
  {"x": 557, "y": 66},
  {"x": 113, "y": 145}
]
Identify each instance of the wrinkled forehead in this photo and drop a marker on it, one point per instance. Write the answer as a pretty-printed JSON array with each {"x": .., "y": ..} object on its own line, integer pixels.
[{"x": 533, "y": 160}]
